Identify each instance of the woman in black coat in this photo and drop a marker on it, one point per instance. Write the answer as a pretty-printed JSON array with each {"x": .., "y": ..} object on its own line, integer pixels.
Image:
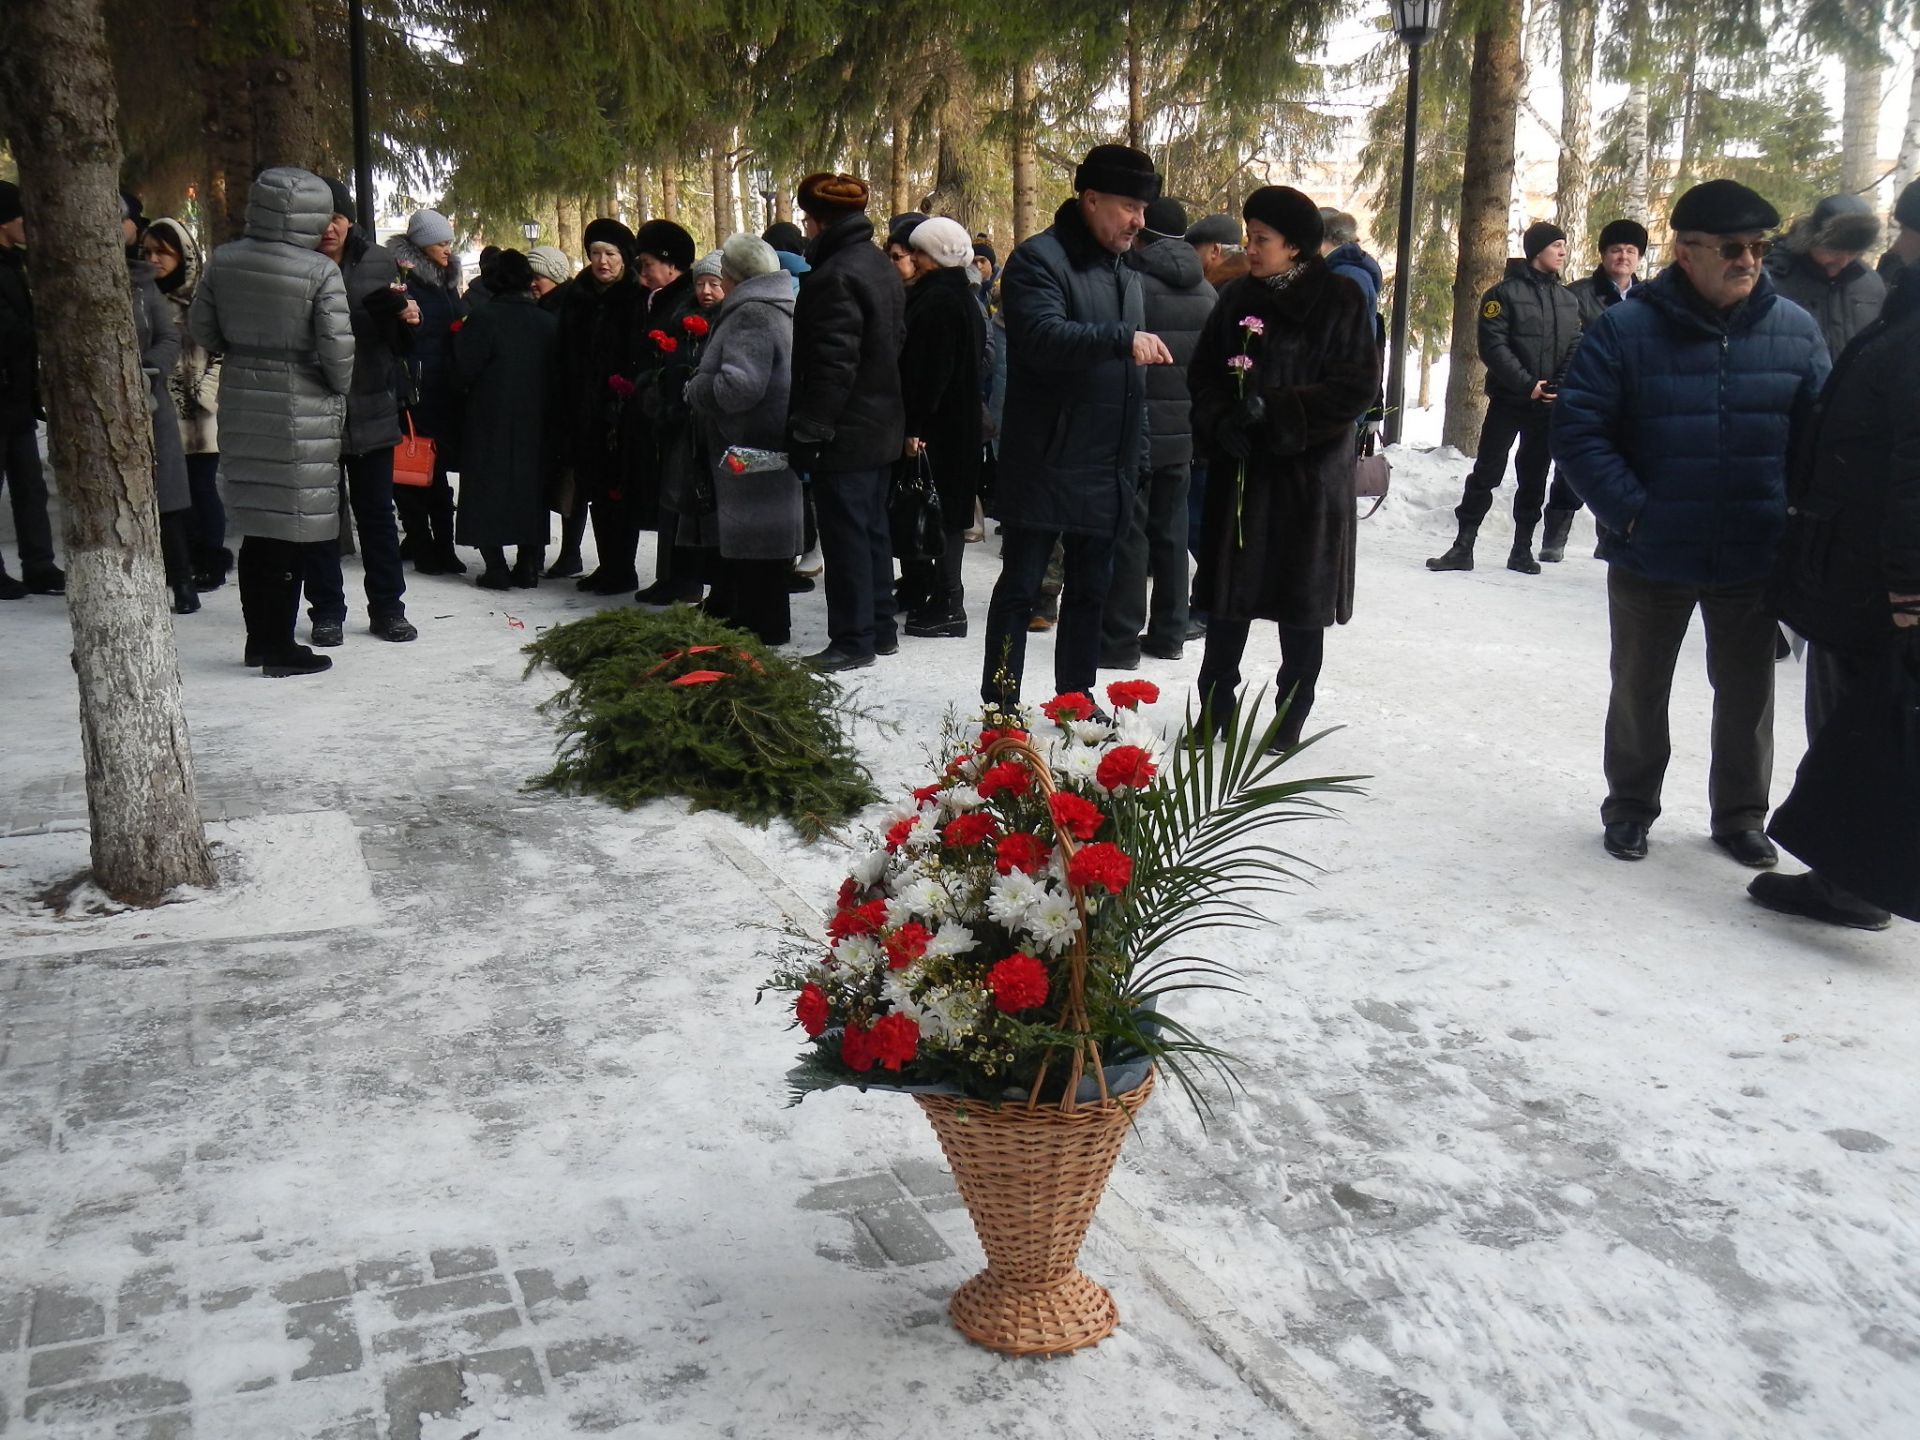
[
  {"x": 940, "y": 366},
  {"x": 1286, "y": 365},
  {"x": 431, "y": 272},
  {"x": 505, "y": 355},
  {"x": 596, "y": 364}
]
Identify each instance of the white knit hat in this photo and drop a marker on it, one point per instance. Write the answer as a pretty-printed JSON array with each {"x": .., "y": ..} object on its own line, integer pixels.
[
  {"x": 550, "y": 263},
  {"x": 943, "y": 241},
  {"x": 745, "y": 256}
]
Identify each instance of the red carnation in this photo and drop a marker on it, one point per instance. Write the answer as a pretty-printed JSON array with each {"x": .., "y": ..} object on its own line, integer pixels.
[
  {"x": 849, "y": 888},
  {"x": 907, "y": 944},
  {"x": 620, "y": 385},
  {"x": 1075, "y": 814},
  {"x": 895, "y": 1038},
  {"x": 927, "y": 792},
  {"x": 1107, "y": 866},
  {"x": 1020, "y": 851},
  {"x": 1125, "y": 765},
  {"x": 867, "y": 919},
  {"x": 1009, "y": 775},
  {"x": 969, "y": 829},
  {"x": 1132, "y": 694},
  {"x": 665, "y": 341},
  {"x": 1018, "y": 982},
  {"x": 456, "y": 327},
  {"x": 897, "y": 836},
  {"x": 856, "y": 1048},
  {"x": 1074, "y": 705},
  {"x": 987, "y": 737},
  {"x": 811, "y": 1009},
  {"x": 695, "y": 325}
]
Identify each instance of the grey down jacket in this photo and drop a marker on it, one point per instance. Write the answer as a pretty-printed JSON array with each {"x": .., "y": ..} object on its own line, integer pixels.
[{"x": 275, "y": 309}]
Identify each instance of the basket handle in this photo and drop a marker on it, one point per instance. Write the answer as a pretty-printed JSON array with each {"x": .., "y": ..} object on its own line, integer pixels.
[{"x": 1073, "y": 1015}]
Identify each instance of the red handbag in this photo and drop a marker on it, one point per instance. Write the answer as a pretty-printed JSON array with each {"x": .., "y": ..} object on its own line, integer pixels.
[{"x": 413, "y": 458}]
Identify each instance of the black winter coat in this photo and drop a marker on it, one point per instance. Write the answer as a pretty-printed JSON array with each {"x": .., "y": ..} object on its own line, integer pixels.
[
  {"x": 1178, "y": 300},
  {"x": 1853, "y": 514},
  {"x": 595, "y": 342},
  {"x": 657, "y": 417},
  {"x": 1317, "y": 366},
  {"x": 19, "y": 355},
  {"x": 1073, "y": 433},
  {"x": 1842, "y": 305},
  {"x": 505, "y": 354},
  {"x": 436, "y": 381},
  {"x": 380, "y": 338},
  {"x": 1597, "y": 295},
  {"x": 940, "y": 368},
  {"x": 1529, "y": 324},
  {"x": 849, "y": 322}
]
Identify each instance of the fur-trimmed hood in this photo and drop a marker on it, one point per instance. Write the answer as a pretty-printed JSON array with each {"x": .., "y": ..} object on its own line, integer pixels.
[
  {"x": 1845, "y": 223},
  {"x": 410, "y": 257},
  {"x": 187, "y": 278}
]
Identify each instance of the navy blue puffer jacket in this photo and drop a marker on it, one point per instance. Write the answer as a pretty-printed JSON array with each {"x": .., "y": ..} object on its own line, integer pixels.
[{"x": 1674, "y": 425}]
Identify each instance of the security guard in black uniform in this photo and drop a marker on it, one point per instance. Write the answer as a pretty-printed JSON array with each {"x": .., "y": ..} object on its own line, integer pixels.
[{"x": 1529, "y": 325}]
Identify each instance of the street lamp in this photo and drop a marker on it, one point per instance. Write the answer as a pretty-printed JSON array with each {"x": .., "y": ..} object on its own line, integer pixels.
[
  {"x": 530, "y": 229},
  {"x": 1414, "y": 21},
  {"x": 769, "y": 197}
]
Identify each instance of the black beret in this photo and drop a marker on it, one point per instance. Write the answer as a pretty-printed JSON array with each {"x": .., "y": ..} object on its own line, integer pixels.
[
  {"x": 1214, "y": 230},
  {"x": 511, "y": 272},
  {"x": 1283, "y": 208},
  {"x": 1624, "y": 232},
  {"x": 1722, "y": 207}
]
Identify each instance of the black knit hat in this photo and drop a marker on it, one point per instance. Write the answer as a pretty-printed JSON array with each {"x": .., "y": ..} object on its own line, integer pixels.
[
  {"x": 1118, "y": 170},
  {"x": 1538, "y": 236},
  {"x": 1167, "y": 217},
  {"x": 1623, "y": 232},
  {"x": 983, "y": 250},
  {"x": 785, "y": 235},
  {"x": 1722, "y": 207},
  {"x": 511, "y": 272},
  {"x": 665, "y": 241},
  {"x": 342, "y": 197},
  {"x": 901, "y": 227},
  {"x": 130, "y": 210},
  {"x": 10, "y": 208},
  {"x": 1283, "y": 208},
  {"x": 609, "y": 232},
  {"x": 1906, "y": 209}
]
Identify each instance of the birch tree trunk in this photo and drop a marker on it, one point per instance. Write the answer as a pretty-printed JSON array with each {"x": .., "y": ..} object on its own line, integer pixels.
[
  {"x": 897, "y": 180},
  {"x": 1909, "y": 164},
  {"x": 1025, "y": 163},
  {"x": 1486, "y": 193},
  {"x": 56, "y": 87},
  {"x": 669, "y": 192},
  {"x": 1575, "y": 178},
  {"x": 1860, "y": 126},
  {"x": 720, "y": 175}
]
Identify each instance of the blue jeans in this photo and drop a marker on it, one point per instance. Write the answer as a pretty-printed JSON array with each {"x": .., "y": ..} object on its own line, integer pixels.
[
  {"x": 1076, "y": 651},
  {"x": 858, "y": 550},
  {"x": 370, "y": 491}
]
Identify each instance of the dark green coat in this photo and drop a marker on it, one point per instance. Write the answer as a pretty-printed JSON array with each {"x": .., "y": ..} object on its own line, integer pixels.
[{"x": 504, "y": 353}]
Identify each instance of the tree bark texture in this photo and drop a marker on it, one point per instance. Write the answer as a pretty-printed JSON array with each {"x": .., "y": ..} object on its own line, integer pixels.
[
  {"x": 1025, "y": 163},
  {"x": 720, "y": 172},
  {"x": 57, "y": 83},
  {"x": 286, "y": 97},
  {"x": 897, "y": 172},
  {"x": 1909, "y": 164},
  {"x": 669, "y": 192},
  {"x": 1486, "y": 194},
  {"x": 1136, "y": 87},
  {"x": 1638, "y": 141},
  {"x": 232, "y": 148},
  {"x": 1860, "y": 127},
  {"x": 1575, "y": 177},
  {"x": 566, "y": 224}
]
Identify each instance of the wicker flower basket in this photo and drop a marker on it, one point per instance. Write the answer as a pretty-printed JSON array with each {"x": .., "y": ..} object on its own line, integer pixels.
[{"x": 1032, "y": 1176}]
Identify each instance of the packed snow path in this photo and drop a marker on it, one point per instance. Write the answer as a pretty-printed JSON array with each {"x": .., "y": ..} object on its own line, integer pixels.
[{"x": 1534, "y": 1143}]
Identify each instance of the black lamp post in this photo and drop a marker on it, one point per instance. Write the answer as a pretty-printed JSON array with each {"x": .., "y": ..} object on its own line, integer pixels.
[
  {"x": 362, "y": 126},
  {"x": 1414, "y": 21},
  {"x": 769, "y": 197},
  {"x": 530, "y": 229}
]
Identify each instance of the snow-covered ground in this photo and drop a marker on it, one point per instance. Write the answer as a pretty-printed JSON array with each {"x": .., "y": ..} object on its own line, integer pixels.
[{"x": 1533, "y": 1143}]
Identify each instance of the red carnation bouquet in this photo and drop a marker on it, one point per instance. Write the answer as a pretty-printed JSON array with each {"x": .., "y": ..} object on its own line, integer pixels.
[{"x": 1073, "y": 855}]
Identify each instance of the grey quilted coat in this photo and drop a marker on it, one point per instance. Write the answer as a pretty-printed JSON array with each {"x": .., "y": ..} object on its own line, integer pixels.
[
  {"x": 275, "y": 309},
  {"x": 158, "y": 337}
]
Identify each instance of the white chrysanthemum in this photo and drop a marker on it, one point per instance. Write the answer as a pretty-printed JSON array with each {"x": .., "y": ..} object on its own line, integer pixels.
[
  {"x": 949, "y": 940},
  {"x": 896, "y": 988},
  {"x": 947, "y": 1016},
  {"x": 1130, "y": 727},
  {"x": 1091, "y": 732},
  {"x": 868, "y": 869},
  {"x": 960, "y": 798},
  {"x": 967, "y": 767},
  {"x": 1053, "y": 922},
  {"x": 1078, "y": 762},
  {"x": 924, "y": 897},
  {"x": 925, "y": 831},
  {"x": 857, "y": 954},
  {"x": 1011, "y": 898}
]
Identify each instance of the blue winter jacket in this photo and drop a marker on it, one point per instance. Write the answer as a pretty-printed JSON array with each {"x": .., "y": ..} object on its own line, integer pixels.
[
  {"x": 1674, "y": 425},
  {"x": 1358, "y": 266}
]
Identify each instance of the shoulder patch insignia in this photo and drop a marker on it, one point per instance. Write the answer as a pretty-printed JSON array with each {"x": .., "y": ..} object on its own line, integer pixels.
[{"x": 1490, "y": 310}]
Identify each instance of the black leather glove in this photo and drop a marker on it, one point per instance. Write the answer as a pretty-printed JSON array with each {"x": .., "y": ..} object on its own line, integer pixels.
[{"x": 1235, "y": 434}]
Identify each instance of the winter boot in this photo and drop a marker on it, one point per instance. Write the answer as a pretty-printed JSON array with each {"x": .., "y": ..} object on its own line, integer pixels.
[
  {"x": 10, "y": 588},
  {"x": 526, "y": 566},
  {"x": 938, "y": 624},
  {"x": 496, "y": 576},
  {"x": 1520, "y": 558},
  {"x": 292, "y": 660},
  {"x": 1459, "y": 555},
  {"x": 1553, "y": 544},
  {"x": 186, "y": 599}
]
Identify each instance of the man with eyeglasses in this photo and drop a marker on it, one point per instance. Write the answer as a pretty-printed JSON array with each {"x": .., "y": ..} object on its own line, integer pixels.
[{"x": 1674, "y": 424}]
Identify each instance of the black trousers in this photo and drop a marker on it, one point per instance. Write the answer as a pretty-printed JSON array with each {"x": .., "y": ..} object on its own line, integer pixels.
[
  {"x": 1153, "y": 548},
  {"x": 425, "y": 511},
  {"x": 573, "y": 529},
  {"x": 857, "y": 547},
  {"x": 176, "y": 546},
  {"x": 371, "y": 491},
  {"x": 26, "y": 486},
  {"x": 616, "y": 536},
  {"x": 1023, "y": 565},
  {"x": 751, "y": 594},
  {"x": 207, "y": 537},
  {"x": 934, "y": 585},
  {"x": 1649, "y": 620},
  {"x": 1529, "y": 423},
  {"x": 270, "y": 577},
  {"x": 1303, "y": 650}
]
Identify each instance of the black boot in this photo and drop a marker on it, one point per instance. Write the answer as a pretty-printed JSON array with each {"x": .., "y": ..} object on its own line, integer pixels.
[
  {"x": 1553, "y": 544},
  {"x": 1459, "y": 555},
  {"x": 1520, "y": 558},
  {"x": 496, "y": 576},
  {"x": 186, "y": 600},
  {"x": 526, "y": 567}
]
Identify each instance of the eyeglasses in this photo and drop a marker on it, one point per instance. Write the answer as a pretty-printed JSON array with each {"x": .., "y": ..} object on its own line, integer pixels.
[{"x": 1734, "y": 249}]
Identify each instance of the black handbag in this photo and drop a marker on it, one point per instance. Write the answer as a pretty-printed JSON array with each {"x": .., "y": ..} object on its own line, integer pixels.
[{"x": 913, "y": 512}]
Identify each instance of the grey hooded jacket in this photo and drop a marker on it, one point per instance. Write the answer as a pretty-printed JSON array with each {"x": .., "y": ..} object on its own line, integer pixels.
[
  {"x": 195, "y": 382},
  {"x": 158, "y": 336},
  {"x": 276, "y": 309}
]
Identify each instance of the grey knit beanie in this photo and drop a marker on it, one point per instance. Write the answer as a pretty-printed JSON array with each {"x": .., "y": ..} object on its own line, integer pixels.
[
  {"x": 745, "y": 256},
  {"x": 429, "y": 227}
]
